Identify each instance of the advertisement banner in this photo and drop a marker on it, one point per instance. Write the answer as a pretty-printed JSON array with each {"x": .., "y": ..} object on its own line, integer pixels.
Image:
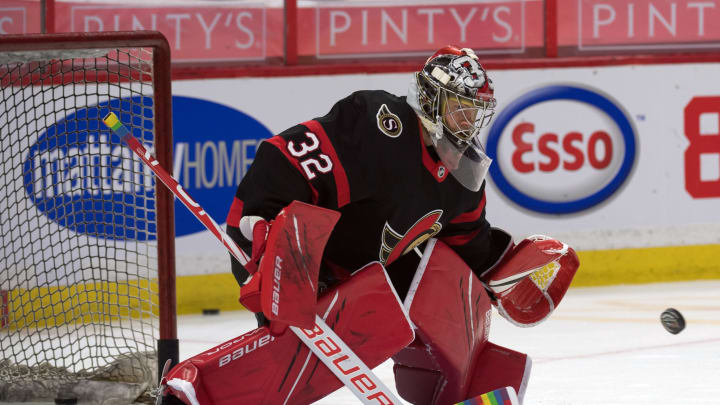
[
  {"x": 19, "y": 17},
  {"x": 365, "y": 30},
  {"x": 599, "y": 157},
  {"x": 200, "y": 33},
  {"x": 649, "y": 25},
  {"x": 239, "y": 31}
]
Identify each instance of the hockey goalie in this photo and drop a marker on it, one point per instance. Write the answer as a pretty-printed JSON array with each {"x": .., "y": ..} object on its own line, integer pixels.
[{"x": 372, "y": 218}]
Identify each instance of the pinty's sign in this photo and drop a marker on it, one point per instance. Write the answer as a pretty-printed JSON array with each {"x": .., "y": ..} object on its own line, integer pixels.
[
  {"x": 194, "y": 32},
  {"x": 487, "y": 27},
  {"x": 602, "y": 25}
]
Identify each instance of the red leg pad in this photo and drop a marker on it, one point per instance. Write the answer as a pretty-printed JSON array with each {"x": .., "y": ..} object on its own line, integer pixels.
[
  {"x": 499, "y": 367},
  {"x": 415, "y": 355},
  {"x": 417, "y": 385},
  {"x": 451, "y": 311},
  {"x": 257, "y": 368}
]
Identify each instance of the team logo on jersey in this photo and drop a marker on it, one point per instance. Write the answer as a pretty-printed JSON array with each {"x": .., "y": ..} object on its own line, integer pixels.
[
  {"x": 395, "y": 244},
  {"x": 388, "y": 122}
]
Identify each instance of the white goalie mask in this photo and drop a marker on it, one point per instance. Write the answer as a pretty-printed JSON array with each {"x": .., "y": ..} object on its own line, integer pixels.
[{"x": 453, "y": 97}]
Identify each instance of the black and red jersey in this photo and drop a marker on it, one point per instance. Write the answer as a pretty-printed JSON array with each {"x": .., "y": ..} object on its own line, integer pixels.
[{"x": 366, "y": 158}]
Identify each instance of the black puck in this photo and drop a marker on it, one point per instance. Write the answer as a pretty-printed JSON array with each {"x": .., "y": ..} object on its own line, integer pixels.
[
  {"x": 210, "y": 311},
  {"x": 66, "y": 401},
  {"x": 672, "y": 320}
]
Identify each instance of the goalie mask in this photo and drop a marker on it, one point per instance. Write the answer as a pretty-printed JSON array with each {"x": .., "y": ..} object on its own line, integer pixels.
[{"x": 453, "y": 97}]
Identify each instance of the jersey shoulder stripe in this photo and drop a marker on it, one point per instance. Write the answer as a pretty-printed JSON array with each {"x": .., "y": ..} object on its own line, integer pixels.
[
  {"x": 459, "y": 240},
  {"x": 471, "y": 216}
]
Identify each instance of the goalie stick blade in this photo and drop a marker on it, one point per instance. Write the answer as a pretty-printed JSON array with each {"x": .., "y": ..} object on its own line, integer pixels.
[
  {"x": 160, "y": 392},
  {"x": 291, "y": 263},
  {"x": 500, "y": 396}
]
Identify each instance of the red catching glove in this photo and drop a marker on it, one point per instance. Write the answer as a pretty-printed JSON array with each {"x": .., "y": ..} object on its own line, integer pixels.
[{"x": 531, "y": 279}]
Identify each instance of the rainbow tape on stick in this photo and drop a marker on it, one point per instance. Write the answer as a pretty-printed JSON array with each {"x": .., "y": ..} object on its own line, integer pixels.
[
  {"x": 112, "y": 121},
  {"x": 501, "y": 396}
]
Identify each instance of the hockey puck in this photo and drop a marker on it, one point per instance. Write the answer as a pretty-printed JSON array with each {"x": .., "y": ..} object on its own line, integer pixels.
[
  {"x": 211, "y": 311},
  {"x": 672, "y": 320},
  {"x": 66, "y": 401}
]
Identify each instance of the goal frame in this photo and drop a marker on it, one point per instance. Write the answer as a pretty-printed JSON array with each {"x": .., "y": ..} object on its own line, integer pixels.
[{"x": 167, "y": 344}]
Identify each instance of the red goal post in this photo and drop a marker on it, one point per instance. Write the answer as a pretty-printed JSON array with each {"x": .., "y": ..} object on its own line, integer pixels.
[{"x": 88, "y": 257}]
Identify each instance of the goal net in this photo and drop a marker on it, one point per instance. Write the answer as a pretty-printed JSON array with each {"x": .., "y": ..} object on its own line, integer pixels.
[{"x": 86, "y": 262}]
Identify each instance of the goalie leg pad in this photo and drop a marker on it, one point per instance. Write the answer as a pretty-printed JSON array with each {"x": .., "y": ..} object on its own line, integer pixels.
[
  {"x": 498, "y": 367},
  {"x": 451, "y": 312},
  {"x": 417, "y": 385},
  {"x": 259, "y": 368}
]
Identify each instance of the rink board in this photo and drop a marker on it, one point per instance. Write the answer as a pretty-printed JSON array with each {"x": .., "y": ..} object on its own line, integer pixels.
[{"x": 635, "y": 215}]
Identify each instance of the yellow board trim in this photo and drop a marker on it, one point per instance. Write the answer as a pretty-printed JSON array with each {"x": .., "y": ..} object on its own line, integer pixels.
[
  {"x": 45, "y": 307},
  {"x": 597, "y": 268},
  {"x": 209, "y": 291},
  {"x": 648, "y": 265}
]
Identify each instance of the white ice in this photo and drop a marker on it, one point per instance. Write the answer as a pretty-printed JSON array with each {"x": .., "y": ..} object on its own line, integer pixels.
[{"x": 603, "y": 345}]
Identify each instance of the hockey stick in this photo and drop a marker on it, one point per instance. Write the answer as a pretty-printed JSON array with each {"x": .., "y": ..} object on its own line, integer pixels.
[{"x": 354, "y": 373}]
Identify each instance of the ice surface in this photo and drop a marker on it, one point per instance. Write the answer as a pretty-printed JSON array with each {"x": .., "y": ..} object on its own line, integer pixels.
[{"x": 603, "y": 345}]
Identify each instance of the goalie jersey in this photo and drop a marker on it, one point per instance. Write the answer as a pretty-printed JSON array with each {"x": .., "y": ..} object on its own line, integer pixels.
[{"x": 366, "y": 158}]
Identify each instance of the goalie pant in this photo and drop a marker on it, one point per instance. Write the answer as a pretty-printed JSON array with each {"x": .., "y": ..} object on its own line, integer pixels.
[{"x": 448, "y": 360}]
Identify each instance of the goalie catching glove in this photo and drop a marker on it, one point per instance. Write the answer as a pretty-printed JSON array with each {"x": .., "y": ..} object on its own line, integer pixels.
[{"x": 530, "y": 279}]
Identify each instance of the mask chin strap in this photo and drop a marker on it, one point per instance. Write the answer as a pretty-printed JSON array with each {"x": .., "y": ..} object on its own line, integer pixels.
[{"x": 437, "y": 128}]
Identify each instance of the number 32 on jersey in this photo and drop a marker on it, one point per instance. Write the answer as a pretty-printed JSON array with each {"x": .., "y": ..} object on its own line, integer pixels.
[{"x": 310, "y": 164}]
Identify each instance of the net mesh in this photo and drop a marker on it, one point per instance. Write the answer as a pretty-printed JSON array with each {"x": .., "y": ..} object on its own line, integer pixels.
[{"x": 78, "y": 261}]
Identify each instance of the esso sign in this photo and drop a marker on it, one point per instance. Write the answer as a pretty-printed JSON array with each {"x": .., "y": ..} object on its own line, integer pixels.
[{"x": 561, "y": 149}]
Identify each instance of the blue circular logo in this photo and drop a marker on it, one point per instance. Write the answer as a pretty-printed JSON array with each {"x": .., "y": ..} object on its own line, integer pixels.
[
  {"x": 77, "y": 173},
  {"x": 549, "y": 150}
]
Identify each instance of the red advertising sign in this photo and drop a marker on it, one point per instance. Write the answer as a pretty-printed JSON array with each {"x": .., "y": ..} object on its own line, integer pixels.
[
  {"x": 247, "y": 32},
  {"x": 702, "y": 156},
  {"x": 613, "y": 25},
  {"x": 502, "y": 27},
  {"x": 195, "y": 33},
  {"x": 19, "y": 17}
]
